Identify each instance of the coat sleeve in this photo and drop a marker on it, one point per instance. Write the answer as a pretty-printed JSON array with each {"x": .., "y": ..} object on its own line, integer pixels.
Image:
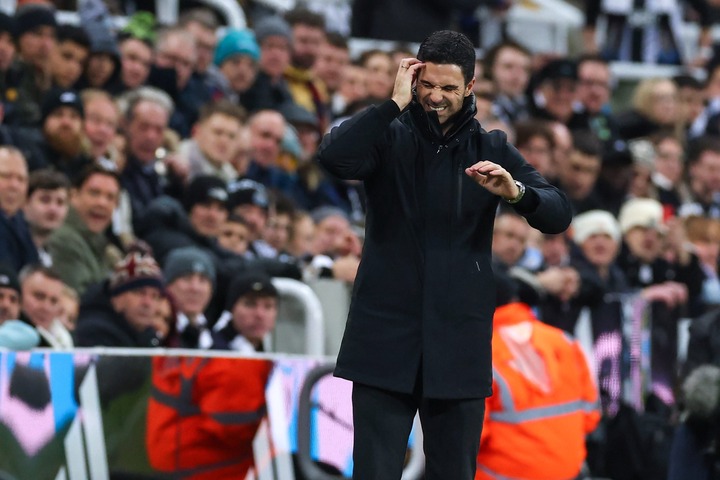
[
  {"x": 545, "y": 207},
  {"x": 351, "y": 151}
]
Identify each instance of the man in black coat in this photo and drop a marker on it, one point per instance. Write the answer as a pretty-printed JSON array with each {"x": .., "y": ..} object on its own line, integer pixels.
[{"x": 420, "y": 325}]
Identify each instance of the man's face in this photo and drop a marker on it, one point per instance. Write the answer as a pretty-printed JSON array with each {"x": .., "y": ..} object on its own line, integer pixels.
[
  {"x": 145, "y": 130},
  {"x": 275, "y": 52},
  {"x": 205, "y": 42},
  {"x": 593, "y": 88},
  {"x": 330, "y": 234},
  {"x": 669, "y": 160},
  {"x": 352, "y": 86},
  {"x": 234, "y": 236},
  {"x": 100, "y": 67},
  {"x": 510, "y": 237},
  {"x": 208, "y": 218},
  {"x": 254, "y": 316},
  {"x": 267, "y": 130},
  {"x": 100, "y": 124},
  {"x": 692, "y": 103},
  {"x": 600, "y": 249},
  {"x": 379, "y": 75},
  {"x": 277, "y": 231},
  {"x": 179, "y": 54},
  {"x": 67, "y": 63},
  {"x": 9, "y": 304},
  {"x": 45, "y": 210},
  {"x": 306, "y": 45},
  {"x": 330, "y": 64},
  {"x": 135, "y": 60},
  {"x": 13, "y": 182},
  {"x": 705, "y": 173},
  {"x": 139, "y": 306},
  {"x": 240, "y": 72},
  {"x": 217, "y": 138},
  {"x": 511, "y": 71},
  {"x": 41, "y": 299},
  {"x": 538, "y": 153},
  {"x": 95, "y": 201},
  {"x": 63, "y": 131},
  {"x": 191, "y": 293},
  {"x": 303, "y": 236},
  {"x": 559, "y": 94},
  {"x": 7, "y": 51},
  {"x": 442, "y": 89},
  {"x": 255, "y": 217},
  {"x": 578, "y": 177},
  {"x": 36, "y": 46}
]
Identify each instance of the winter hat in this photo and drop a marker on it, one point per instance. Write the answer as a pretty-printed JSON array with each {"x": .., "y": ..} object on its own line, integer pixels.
[
  {"x": 255, "y": 282},
  {"x": 186, "y": 261},
  {"x": 204, "y": 189},
  {"x": 135, "y": 271},
  {"x": 96, "y": 21},
  {"x": 236, "y": 42},
  {"x": 9, "y": 278},
  {"x": 557, "y": 69},
  {"x": 31, "y": 16},
  {"x": 57, "y": 98},
  {"x": 7, "y": 24},
  {"x": 595, "y": 222},
  {"x": 641, "y": 212},
  {"x": 247, "y": 192},
  {"x": 321, "y": 213},
  {"x": 272, "y": 26},
  {"x": 297, "y": 115}
]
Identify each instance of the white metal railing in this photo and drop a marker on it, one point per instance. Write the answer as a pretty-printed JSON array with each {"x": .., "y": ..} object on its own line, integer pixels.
[{"x": 312, "y": 325}]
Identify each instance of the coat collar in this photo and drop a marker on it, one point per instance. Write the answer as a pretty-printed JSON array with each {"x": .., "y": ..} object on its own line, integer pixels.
[{"x": 428, "y": 121}]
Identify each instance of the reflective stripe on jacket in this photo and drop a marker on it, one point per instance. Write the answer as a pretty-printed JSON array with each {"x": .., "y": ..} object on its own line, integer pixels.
[{"x": 535, "y": 428}]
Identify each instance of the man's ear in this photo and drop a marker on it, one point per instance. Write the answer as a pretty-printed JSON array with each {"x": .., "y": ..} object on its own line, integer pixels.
[{"x": 469, "y": 87}]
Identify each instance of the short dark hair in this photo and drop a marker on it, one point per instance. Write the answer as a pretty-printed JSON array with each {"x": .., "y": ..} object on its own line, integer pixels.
[
  {"x": 337, "y": 40},
  {"x": 697, "y": 146},
  {"x": 72, "y": 33},
  {"x": 447, "y": 47},
  {"x": 687, "y": 81},
  {"x": 529, "y": 129},
  {"x": 303, "y": 16},
  {"x": 47, "y": 179},
  {"x": 33, "y": 268},
  {"x": 223, "y": 107},
  {"x": 587, "y": 143},
  {"x": 592, "y": 58},
  {"x": 492, "y": 53},
  {"x": 94, "y": 169}
]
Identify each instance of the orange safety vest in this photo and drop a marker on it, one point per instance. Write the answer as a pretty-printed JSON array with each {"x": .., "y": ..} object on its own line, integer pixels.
[
  {"x": 203, "y": 414},
  {"x": 530, "y": 433}
]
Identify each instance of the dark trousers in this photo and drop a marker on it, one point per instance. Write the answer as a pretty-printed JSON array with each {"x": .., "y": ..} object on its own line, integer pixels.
[{"x": 383, "y": 420}]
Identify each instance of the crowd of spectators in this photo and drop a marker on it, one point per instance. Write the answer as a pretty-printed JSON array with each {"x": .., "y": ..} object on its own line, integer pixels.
[{"x": 154, "y": 178}]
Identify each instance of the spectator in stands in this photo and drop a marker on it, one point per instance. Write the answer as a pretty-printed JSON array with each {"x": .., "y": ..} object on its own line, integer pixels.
[
  {"x": 536, "y": 368},
  {"x": 68, "y": 58},
  {"x": 691, "y": 100},
  {"x": 249, "y": 199},
  {"x": 103, "y": 69},
  {"x": 41, "y": 292},
  {"x": 578, "y": 175},
  {"x": 14, "y": 333},
  {"x": 81, "y": 252},
  {"x": 306, "y": 127},
  {"x": 668, "y": 177},
  {"x": 703, "y": 160},
  {"x": 175, "y": 49},
  {"x": 308, "y": 35},
  {"x": 7, "y": 43},
  {"x": 704, "y": 235},
  {"x": 536, "y": 142},
  {"x": 136, "y": 56},
  {"x": 29, "y": 75},
  {"x": 69, "y": 307},
  {"x": 277, "y": 227},
  {"x": 235, "y": 235},
  {"x": 202, "y": 24},
  {"x": 236, "y": 56},
  {"x": 122, "y": 310},
  {"x": 654, "y": 107},
  {"x": 267, "y": 130},
  {"x": 146, "y": 117},
  {"x": 100, "y": 126},
  {"x": 214, "y": 141},
  {"x": 555, "y": 92},
  {"x": 378, "y": 65},
  {"x": 593, "y": 91},
  {"x": 352, "y": 89},
  {"x": 507, "y": 65},
  {"x": 16, "y": 246},
  {"x": 190, "y": 278},
  {"x": 302, "y": 236},
  {"x": 62, "y": 128},
  {"x": 336, "y": 247},
  {"x": 46, "y": 208},
  {"x": 330, "y": 65},
  {"x": 270, "y": 89},
  {"x": 250, "y": 314}
]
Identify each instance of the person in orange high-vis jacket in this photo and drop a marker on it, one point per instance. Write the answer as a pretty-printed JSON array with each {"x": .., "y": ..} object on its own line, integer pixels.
[
  {"x": 203, "y": 414},
  {"x": 544, "y": 401}
]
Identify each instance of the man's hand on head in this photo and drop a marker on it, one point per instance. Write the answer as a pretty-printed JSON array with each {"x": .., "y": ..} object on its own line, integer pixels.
[{"x": 404, "y": 80}]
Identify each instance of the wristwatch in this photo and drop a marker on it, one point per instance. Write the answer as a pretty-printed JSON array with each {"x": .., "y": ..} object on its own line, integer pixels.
[{"x": 520, "y": 195}]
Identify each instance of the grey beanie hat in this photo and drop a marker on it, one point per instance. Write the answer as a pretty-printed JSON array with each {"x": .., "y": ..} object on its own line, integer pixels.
[
  {"x": 186, "y": 261},
  {"x": 272, "y": 26}
]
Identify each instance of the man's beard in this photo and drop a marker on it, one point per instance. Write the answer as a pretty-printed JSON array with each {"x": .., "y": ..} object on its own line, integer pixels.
[{"x": 67, "y": 143}]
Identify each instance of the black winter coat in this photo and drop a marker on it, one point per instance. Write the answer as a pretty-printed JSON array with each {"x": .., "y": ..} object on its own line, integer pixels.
[{"x": 424, "y": 298}]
